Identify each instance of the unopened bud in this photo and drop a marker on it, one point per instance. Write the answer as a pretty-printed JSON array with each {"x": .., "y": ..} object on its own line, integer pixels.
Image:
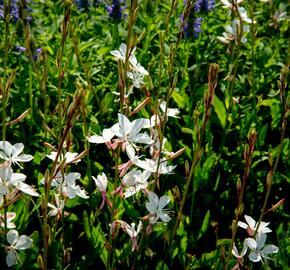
[{"x": 269, "y": 179}]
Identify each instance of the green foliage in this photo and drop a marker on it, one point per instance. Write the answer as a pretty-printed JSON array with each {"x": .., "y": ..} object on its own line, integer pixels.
[{"x": 36, "y": 103}]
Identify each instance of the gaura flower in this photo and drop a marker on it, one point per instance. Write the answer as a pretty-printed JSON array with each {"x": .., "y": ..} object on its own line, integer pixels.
[
  {"x": 56, "y": 210},
  {"x": 129, "y": 133},
  {"x": 156, "y": 208},
  {"x": 130, "y": 230},
  {"x": 239, "y": 256},
  {"x": 16, "y": 244},
  {"x": 134, "y": 181},
  {"x": 251, "y": 226},
  {"x": 69, "y": 157},
  {"x": 12, "y": 152},
  {"x": 10, "y": 180},
  {"x": 67, "y": 185},
  {"x": 102, "y": 182},
  {"x": 259, "y": 251}
]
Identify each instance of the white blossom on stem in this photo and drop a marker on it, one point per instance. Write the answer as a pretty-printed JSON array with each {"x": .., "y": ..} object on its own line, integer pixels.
[
  {"x": 17, "y": 243},
  {"x": 10, "y": 180},
  {"x": 156, "y": 208},
  {"x": 251, "y": 226},
  {"x": 102, "y": 182},
  {"x": 260, "y": 251},
  {"x": 12, "y": 152},
  {"x": 67, "y": 185}
]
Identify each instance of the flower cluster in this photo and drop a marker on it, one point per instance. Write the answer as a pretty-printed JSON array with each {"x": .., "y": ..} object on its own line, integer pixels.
[
  {"x": 10, "y": 185},
  {"x": 255, "y": 243},
  {"x": 239, "y": 26},
  {"x": 15, "y": 10},
  {"x": 136, "y": 71},
  {"x": 192, "y": 23},
  {"x": 116, "y": 10},
  {"x": 35, "y": 53},
  {"x": 145, "y": 155}
]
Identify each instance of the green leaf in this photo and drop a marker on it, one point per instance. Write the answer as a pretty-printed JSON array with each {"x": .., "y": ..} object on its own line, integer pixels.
[
  {"x": 220, "y": 110},
  {"x": 205, "y": 225},
  {"x": 87, "y": 226}
]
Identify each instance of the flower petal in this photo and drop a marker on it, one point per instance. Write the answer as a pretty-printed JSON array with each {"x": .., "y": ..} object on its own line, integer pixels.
[
  {"x": 269, "y": 249},
  {"x": 11, "y": 257},
  {"x": 163, "y": 201},
  {"x": 254, "y": 256},
  {"x": 17, "y": 149},
  {"x": 250, "y": 221},
  {"x": 23, "y": 242},
  {"x": 12, "y": 237}
]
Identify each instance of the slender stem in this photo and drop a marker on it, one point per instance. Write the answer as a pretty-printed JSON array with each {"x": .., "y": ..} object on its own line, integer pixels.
[{"x": 111, "y": 253}]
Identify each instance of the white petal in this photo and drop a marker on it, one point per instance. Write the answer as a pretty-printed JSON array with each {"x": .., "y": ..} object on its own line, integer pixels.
[
  {"x": 23, "y": 158},
  {"x": 12, "y": 237},
  {"x": 71, "y": 178},
  {"x": 96, "y": 139},
  {"x": 153, "y": 202},
  {"x": 17, "y": 149},
  {"x": 137, "y": 125},
  {"x": 269, "y": 249},
  {"x": 125, "y": 125},
  {"x": 251, "y": 243},
  {"x": 142, "y": 138},
  {"x": 164, "y": 217},
  {"x": 250, "y": 221},
  {"x": 17, "y": 178},
  {"x": 163, "y": 201},
  {"x": 81, "y": 192},
  {"x": 242, "y": 225},
  {"x": 261, "y": 239},
  {"x": 27, "y": 189},
  {"x": 69, "y": 157},
  {"x": 254, "y": 256},
  {"x": 235, "y": 251},
  {"x": 23, "y": 242},
  {"x": 11, "y": 258},
  {"x": 6, "y": 147}
]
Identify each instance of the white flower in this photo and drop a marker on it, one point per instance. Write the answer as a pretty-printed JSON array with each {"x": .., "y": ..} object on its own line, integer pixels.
[
  {"x": 137, "y": 78},
  {"x": 105, "y": 137},
  {"x": 67, "y": 185},
  {"x": 136, "y": 67},
  {"x": 8, "y": 179},
  {"x": 134, "y": 181},
  {"x": 128, "y": 133},
  {"x": 131, "y": 231},
  {"x": 156, "y": 208},
  {"x": 9, "y": 217},
  {"x": 251, "y": 226},
  {"x": 16, "y": 243},
  {"x": 258, "y": 249},
  {"x": 101, "y": 182},
  {"x": 151, "y": 165},
  {"x": 239, "y": 256},
  {"x": 12, "y": 152},
  {"x": 232, "y": 32},
  {"x": 56, "y": 210},
  {"x": 172, "y": 112},
  {"x": 121, "y": 53},
  {"x": 69, "y": 157}
]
